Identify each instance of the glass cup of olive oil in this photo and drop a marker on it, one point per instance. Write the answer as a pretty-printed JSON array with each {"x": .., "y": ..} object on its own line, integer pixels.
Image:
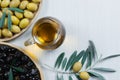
[{"x": 48, "y": 33}]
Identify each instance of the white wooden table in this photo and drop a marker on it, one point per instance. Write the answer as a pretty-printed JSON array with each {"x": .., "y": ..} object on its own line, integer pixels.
[{"x": 96, "y": 20}]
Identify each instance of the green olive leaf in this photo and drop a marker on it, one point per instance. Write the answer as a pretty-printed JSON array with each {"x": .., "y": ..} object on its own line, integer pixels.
[
  {"x": 89, "y": 59},
  {"x": 2, "y": 21},
  {"x": 62, "y": 78},
  {"x": 78, "y": 57},
  {"x": 70, "y": 78},
  {"x": 109, "y": 57},
  {"x": 58, "y": 77},
  {"x": 10, "y": 77},
  {"x": 94, "y": 74},
  {"x": 71, "y": 59},
  {"x": 9, "y": 21},
  {"x": 14, "y": 61},
  {"x": 18, "y": 69},
  {"x": 93, "y": 51},
  {"x": 16, "y": 9},
  {"x": 85, "y": 55},
  {"x": 59, "y": 60},
  {"x": 104, "y": 69},
  {"x": 64, "y": 63},
  {"x": 78, "y": 77}
]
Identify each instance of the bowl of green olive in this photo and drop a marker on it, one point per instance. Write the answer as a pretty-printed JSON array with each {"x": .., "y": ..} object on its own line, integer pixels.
[{"x": 16, "y": 16}]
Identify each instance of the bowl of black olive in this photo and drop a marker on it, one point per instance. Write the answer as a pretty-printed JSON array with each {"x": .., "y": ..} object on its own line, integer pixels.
[{"x": 16, "y": 64}]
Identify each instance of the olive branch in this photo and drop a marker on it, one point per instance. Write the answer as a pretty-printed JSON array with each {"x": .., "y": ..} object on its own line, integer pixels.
[
  {"x": 2, "y": 20},
  {"x": 88, "y": 59}
]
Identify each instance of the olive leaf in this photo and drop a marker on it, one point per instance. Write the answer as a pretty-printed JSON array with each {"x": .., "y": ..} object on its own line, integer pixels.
[
  {"x": 104, "y": 69},
  {"x": 13, "y": 61},
  {"x": 109, "y": 57},
  {"x": 78, "y": 77},
  {"x": 10, "y": 77},
  {"x": 64, "y": 63},
  {"x": 9, "y": 21},
  {"x": 92, "y": 53},
  {"x": 94, "y": 74},
  {"x": 18, "y": 69},
  {"x": 85, "y": 55},
  {"x": 16, "y": 9},
  {"x": 70, "y": 78},
  {"x": 58, "y": 77},
  {"x": 59, "y": 60},
  {"x": 89, "y": 59},
  {"x": 78, "y": 57},
  {"x": 2, "y": 21},
  {"x": 93, "y": 50},
  {"x": 71, "y": 59},
  {"x": 62, "y": 78}
]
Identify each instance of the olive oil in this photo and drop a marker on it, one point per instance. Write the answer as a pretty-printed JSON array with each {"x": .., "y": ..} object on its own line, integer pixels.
[{"x": 48, "y": 33}]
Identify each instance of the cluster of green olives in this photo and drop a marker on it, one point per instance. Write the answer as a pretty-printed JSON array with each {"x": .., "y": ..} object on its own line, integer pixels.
[
  {"x": 83, "y": 75},
  {"x": 19, "y": 20}
]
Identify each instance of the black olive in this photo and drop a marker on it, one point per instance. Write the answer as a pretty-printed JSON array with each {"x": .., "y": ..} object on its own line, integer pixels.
[
  {"x": 29, "y": 64},
  {"x": 1, "y": 61},
  {"x": 22, "y": 77},
  {"x": 24, "y": 58},
  {"x": 9, "y": 58}
]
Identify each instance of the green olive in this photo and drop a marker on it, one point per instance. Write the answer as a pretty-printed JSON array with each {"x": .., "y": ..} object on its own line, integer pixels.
[
  {"x": 6, "y": 33},
  {"x": 14, "y": 3},
  {"x": 24, "y": 23},
  {"x": 28, "y": 14},
  {"x": 36, "y": 1},
  {"x": 5, "y": 3},
  {"x": 15, "y": 20},
  {"x": 32, "y": 6},
  {"x": 19, "y": 15},
  {"x": 15, "y": 29},
  {"x": 84, "y": 75},
  {"x": 23, "y": 4},
  {"x": 77, "y": 67}
]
